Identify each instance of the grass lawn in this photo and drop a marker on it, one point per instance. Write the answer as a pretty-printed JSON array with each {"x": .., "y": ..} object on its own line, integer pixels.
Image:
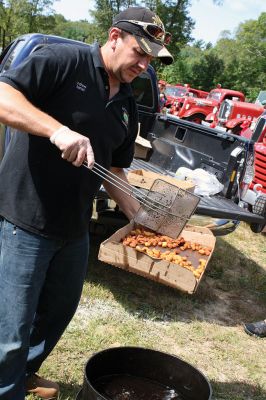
[{"x": 206, "y": 329}]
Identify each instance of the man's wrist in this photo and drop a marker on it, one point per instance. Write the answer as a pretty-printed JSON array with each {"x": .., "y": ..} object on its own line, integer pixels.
[{"x": 60, "y": 130}]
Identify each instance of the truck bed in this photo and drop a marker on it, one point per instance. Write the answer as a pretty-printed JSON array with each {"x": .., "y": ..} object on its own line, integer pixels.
[{"x": 213, "y": 206}]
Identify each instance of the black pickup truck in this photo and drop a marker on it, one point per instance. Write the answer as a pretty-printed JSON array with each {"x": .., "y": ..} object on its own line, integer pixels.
[{"x": 175, "y": 143}]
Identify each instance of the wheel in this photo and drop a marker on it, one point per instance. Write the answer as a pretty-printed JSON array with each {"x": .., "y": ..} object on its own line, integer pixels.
[
  {"x": 259, "y": 208},
  {"x": 196, "y": 118},
  {"x": 257, "y": 228}
]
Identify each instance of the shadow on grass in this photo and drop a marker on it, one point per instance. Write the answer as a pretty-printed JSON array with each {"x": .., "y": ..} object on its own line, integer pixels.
[
  {"x": 237, "y": 391},
  {"x": 232, "y": 290}
]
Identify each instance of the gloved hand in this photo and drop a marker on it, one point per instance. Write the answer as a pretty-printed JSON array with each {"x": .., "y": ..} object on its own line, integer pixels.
[{"x": 75, "y": 148}]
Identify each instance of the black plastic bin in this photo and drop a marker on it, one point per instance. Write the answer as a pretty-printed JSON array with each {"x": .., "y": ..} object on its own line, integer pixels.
[{"x": 150, "y": 365}]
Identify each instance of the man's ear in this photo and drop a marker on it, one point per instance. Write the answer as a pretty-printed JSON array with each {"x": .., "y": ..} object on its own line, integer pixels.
[{"x": 114, "y": 34}]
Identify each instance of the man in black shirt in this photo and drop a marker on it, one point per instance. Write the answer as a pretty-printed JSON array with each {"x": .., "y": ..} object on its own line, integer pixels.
[{"x": 70, "y": 105}]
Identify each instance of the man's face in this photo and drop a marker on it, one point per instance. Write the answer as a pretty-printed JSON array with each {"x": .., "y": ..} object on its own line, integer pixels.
[{"x": 129, "y": 60}]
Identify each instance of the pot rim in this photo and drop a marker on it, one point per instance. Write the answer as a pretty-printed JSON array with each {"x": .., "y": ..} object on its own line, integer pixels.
[{"x": 110, "y": 349}]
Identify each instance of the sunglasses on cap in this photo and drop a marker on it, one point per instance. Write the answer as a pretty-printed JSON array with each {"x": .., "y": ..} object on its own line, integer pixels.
[{"x": 155, "y": 31}]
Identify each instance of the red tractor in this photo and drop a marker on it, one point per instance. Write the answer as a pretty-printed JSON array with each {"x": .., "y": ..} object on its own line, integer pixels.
[{"x": 197, "y": 109}]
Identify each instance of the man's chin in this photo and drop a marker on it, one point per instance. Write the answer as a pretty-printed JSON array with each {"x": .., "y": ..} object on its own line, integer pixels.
[
  {"x": 129, "y": 80},
  {"x": 128, "y": 77}
]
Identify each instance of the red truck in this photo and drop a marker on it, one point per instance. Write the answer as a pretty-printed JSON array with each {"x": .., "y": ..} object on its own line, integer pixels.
[
  {"x": 177, "y": 93},
  {"x": 259, "y": 178},
  {"x": 237, "y": 117},
  {"x": 253, "y": 189},
  {"x": 197, "y": 109}
]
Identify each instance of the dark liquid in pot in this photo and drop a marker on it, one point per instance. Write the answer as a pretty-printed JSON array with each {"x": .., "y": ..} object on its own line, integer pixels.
[{"x": 128, "y": 387}]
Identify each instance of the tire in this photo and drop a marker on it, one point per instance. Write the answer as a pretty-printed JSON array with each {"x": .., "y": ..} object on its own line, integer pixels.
[
  {"x": 196, "y": 118},
  {"x": 260, "y": 205},
  {"x": 259, "y": 208},
  {"x": 257, "y": 228}
]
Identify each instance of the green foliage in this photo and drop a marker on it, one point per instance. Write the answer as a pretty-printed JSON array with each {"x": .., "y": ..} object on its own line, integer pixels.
[
  {"x": 244, "y": 57},
  {"x": 9, "y": 20},
  {"x": 251, "y": 43},
  {"x": 23, "y": 16},
  {"x": 34, "y": 13},
  {"x": 78, "y": 30},
  {"x": 237, "y": 62},
  {"x": 103, "y": 15},
  {"x": 200, "y": 68},
  {"x": 175, "y": 15}
]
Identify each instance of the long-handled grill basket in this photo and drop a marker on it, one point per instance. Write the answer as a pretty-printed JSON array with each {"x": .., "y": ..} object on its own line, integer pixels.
[{"x": 165, "y": 208}]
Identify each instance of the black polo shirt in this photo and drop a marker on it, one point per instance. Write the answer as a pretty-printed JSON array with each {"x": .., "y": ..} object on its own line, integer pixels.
[{"x": 39, "y": 191}]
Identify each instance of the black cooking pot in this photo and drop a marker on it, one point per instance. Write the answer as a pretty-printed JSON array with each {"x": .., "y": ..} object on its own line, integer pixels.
[{"x": 150, "y": 371}]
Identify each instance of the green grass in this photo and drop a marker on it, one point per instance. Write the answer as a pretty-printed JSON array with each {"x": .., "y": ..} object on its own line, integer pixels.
[{"x": 205, "y": 329}]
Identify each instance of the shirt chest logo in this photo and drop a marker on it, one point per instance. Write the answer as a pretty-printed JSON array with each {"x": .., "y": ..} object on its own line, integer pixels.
[
  {"x": 125, "y": 117},
  {"x": 80, "y": 86}
]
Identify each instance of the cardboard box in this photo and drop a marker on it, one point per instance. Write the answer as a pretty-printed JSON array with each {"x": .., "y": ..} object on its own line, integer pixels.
[
  {"x": 112, "y": 251},
  {"x": 142, "y": 147},
  {"x": 145, "y": 179}
]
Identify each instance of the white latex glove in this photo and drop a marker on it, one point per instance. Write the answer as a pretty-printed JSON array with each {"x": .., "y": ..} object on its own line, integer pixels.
[{"x": 75, "y": 148}]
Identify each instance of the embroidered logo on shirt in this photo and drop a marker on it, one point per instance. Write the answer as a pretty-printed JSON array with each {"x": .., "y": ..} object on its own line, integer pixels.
[
  {"x": 81, "y": 86},
  {"x": 125, "y": 117}
]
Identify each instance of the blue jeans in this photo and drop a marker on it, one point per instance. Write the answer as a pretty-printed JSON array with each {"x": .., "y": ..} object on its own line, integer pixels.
[{"x": 40, "y": 287}]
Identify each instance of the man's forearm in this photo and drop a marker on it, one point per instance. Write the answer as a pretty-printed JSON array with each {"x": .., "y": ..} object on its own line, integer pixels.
[
  {"x": 127, "y": 204},
  {"x": 16, "y": 111}
]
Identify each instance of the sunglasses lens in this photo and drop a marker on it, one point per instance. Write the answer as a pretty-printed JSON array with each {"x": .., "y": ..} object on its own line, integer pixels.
[{"x": 155, "y": 31}]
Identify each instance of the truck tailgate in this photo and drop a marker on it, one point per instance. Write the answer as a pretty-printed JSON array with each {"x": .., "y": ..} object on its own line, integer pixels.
[{"x": 213, "y": 206}]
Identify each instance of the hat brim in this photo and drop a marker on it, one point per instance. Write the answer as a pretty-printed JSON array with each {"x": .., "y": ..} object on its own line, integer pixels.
[{"x": 154, "y": 49}]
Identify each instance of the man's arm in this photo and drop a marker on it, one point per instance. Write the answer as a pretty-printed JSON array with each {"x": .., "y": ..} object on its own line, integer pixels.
[
  {"x": 16, "y": 111},
  {"x": 127, "y": 204}
]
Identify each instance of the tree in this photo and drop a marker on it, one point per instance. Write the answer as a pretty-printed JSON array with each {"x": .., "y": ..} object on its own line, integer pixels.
[
  {"x": 34, "y": 12},
  {"x": 226, "y": 49},
  {"x": 244, "y": 57},
  {"x": 175, "y": 15},
  {"x": 200, "y": 68},
  {"x": 78, "y": 30},
  {"x": 236, "y": 61},
  {"x": 8, "y": 12},
  {"x": 103, "y": 15},
  {"x": 24, "y": 16},
  {"x": 180, "y": 70},
  {"x": 251, "y": 40},
  {"x": 206, "y": 71}
]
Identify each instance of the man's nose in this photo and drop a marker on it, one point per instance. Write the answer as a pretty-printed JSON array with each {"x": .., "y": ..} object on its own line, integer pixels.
[{"x": 144, "y": 62}]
